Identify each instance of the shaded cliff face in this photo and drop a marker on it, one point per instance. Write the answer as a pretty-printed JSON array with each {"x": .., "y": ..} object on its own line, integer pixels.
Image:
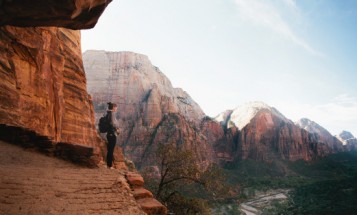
[
  {"x": 73, "y": 14},
  {"x": 150, "y": 110},
  {"x": 324, "y": 137},
  {"x": 138, "y": 87},
  {"x": 348, "y": 140},
  {"x": 224, "y": 141},
  {"x": 265, "y": 134},
  {"x": 43, "y": 87}
]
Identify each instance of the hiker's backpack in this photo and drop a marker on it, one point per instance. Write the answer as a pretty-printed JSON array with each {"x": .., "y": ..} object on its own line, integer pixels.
[{"x": 103, "y": 124}]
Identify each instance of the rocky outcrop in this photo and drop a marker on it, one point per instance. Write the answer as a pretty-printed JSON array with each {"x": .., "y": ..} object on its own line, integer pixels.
[
  {"x": 265, "y": 134},
  {"x": 43, "y": 87},
  {"x": 324, "y": 137},
  {"x": 150, "y": 109},
  {"x": 143, "y": 196},
  {"x": 73, "y": 14},
  {"x": 348, "y": 140}
]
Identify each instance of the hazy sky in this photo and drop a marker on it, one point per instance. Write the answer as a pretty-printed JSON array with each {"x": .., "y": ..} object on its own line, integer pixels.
[{"x": 297, "y": 56}]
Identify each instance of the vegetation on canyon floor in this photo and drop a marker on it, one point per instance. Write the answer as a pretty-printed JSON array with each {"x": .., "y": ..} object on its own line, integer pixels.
[
  {"x": 323, "y": 186},
  {"x": 180, "y": 185}
]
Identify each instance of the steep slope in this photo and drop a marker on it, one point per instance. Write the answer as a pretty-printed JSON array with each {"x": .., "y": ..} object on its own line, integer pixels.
[
  {"x": 265, "y": 134},
  {"x": 348, "y": 140},
  {"x": 130, "y": 80},
  {"x": 324, "y": 137},
  {"x": 224, "y": 140},
  {"x": 150, "y": 110}
]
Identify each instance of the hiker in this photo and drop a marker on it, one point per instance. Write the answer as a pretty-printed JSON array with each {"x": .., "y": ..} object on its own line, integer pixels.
[{"x": 112, "y": 132}]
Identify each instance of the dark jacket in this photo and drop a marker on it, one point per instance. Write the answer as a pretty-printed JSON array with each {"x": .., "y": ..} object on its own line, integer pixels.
[{"x": 112, "y": 122}]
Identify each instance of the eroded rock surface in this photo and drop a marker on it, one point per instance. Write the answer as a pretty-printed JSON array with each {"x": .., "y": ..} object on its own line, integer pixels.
[
  {"x": 150, "y": 109},
  {"x": 43, "y": 87},
  {"x": 266, "y": 134},
  {"x": 324, "y": 137},
  {"x": 32, "y": 183},
  {"x": 73, "y": 14}
]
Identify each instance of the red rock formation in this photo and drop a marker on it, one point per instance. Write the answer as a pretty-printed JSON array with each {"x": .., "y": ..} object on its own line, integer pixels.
[
  {"x": 142, "y": 143},
  {"x": 224, "y": 140},
  {"x": 43, "y": 87},
  {"x": 150, "y": 110},
  {"x": 138, "y": 87},
  {"x": 144, "y": 197},
  {"x": 267, "y": 137},
  {"x": 73, "y": 14},
  {"x": 324, "y": 137},
  {"x": 265, "y": 134}
]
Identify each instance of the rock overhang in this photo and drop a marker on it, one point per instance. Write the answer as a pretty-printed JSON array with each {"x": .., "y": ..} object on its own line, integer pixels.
[{"x": 72, "y": 14}]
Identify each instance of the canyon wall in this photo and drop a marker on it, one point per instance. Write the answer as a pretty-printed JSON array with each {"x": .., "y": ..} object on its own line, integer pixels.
[
  {"x": 150, "y": 110},
  {"x": 43, "y": 87},
  {"x": 266, "y": 134}
]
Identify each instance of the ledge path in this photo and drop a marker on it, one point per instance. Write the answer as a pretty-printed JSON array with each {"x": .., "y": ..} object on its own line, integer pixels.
[{"x": 33, "y": 183}]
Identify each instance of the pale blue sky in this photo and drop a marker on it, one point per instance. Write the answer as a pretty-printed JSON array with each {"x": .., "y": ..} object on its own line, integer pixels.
[{"x": 298, "y": 56}]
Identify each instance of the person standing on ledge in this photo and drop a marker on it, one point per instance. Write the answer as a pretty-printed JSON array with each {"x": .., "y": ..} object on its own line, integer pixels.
[{"x": 112, "y": 132}]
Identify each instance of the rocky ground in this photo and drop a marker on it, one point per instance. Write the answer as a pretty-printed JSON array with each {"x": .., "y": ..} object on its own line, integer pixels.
[{"x": 32, "y": 183}]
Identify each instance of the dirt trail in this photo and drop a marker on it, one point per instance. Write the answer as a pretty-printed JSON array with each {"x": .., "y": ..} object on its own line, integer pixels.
[{"x": 32, "y": 183}]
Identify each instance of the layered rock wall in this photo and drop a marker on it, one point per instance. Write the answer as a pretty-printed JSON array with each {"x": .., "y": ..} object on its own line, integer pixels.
[
  {"x": 223, "y": 140},
  {"x": 150, "y": 110},
  {"x": 267, "y": 135},
  {"x": 324, "y": 137},
  {"x": 43, "y": 87}
]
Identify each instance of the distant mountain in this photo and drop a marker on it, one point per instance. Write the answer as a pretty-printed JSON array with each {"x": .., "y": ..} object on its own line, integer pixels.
[
  {"x": 345, "y": 136},
  {"x": 242, "y": 115},
  {"x": 348, "y": 140},
  {"x": 267, "y": 134},
  {"x": 322, "y": 134},
  {"x": 131, "y": 80},
  {"x": 150, "y": 109}
]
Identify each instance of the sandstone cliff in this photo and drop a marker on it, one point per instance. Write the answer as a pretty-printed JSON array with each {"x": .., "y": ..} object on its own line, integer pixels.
[
  {"x": 73, "y": 14},
  {"x": 43, "y": 86},
  {"x": 324, "y": 137},
  {"x": 44, "y": 103},
  {"x": 224, "y": 140},
  {"x": 265, "y": 134},
  {"x": 348, "y": 140},
  {"x": 150, "y": 109},
  {"x": 130, "y": 80}
]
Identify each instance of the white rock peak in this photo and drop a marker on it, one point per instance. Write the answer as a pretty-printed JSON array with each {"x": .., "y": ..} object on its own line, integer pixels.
[
  {"x": 345, "y": 136},
  {"x": 243, "y": 114},
  {"x": 309, "y": 125}
]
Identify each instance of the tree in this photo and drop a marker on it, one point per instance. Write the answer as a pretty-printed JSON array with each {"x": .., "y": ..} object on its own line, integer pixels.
[{"x": 179, "y": 184}]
